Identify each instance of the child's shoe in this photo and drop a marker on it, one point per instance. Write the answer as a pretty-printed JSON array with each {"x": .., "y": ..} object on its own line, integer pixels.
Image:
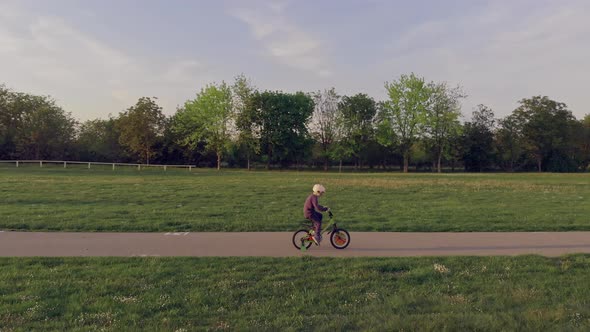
[{"x": 315, "y": 241}]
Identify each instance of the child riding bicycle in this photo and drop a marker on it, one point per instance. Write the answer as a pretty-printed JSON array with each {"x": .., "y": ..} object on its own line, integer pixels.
[{"x": 311, "y": 208}]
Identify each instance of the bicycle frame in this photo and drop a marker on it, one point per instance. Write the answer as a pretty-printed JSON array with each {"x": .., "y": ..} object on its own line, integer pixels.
[
  {"x": 303, "y": 242},
  {"x": 331, "y": 224}
]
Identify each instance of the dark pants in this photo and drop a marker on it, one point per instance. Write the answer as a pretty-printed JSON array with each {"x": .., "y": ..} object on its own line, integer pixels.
[{"x": 316, "y": 219}]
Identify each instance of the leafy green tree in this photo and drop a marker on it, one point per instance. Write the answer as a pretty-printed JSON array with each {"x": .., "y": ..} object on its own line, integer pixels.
[
  {"x": 248, "y": 133},
  {"x": 442, "y": 119},
  {"x": 509, "y": 142},
  {"x": 385, "y": 135},
  {"x": 324, "y": 123},
  {"x": 141, "y": 126},
  {"x": 478, "y": 139},
  {"x": 7, "y": 130},
  {"x": 282, "y": 119},
  {"x": 98, "y": 140},
  {"x": 456, "y": 147},
  {"x": 207, "y": 119},
  {"x": 407, "y": 109},
  {"x": 357, "y": 118},
  {"x": 547, "y": 132},
  {"x": 43, "y": 129},
  {"x": 171, "y": 152},
  {"x": 33, "y": 127},
  {"x": 585, "y": 142}
]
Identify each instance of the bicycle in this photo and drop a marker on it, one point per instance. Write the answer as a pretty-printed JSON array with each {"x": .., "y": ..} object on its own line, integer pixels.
[{"x": 339, "y": 237}]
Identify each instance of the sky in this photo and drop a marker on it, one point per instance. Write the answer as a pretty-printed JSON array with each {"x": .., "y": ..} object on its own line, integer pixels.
[{"x": 97, "y": 58}]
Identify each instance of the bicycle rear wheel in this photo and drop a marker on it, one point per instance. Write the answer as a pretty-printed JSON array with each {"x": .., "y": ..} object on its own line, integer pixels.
[
  {"x": 301, "y": 238},
  {"x": 340, "y": 238}
]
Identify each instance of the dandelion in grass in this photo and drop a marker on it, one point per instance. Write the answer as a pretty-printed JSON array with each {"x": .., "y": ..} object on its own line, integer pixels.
[
  {"x": 371, "y": 296},
  {"x": 222, "y": 325},
  {"x": 125, "y": 299},
  {"x": 441, "y": 268}
]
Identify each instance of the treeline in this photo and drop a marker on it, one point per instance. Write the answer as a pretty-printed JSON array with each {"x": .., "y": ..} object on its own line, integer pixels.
[{"x": 236, "y": 125}]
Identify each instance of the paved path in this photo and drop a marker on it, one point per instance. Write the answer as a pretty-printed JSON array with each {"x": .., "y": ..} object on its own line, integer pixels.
[{"x": 278, "y": 244}]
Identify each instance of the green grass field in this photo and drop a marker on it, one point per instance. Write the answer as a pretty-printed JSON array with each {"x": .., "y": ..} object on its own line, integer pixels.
[
  {"x": 526, "y": 293},
  {"x": 55, "y": 199},
  {"x": 269, "y": 294}
]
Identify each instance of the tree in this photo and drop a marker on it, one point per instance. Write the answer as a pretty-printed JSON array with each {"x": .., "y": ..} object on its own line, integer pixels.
[
  {"x": 442, "y": 119},
  {"x": 207, "y": 119},
  {"x": 585, "y": 142},
  {"x": 509, "y": 142},
  {"x": 478, "y": 140},
  {"x": 170, "y": 149},
  {"x": 407, "y": 110},
  {"x": 7, "y": 127},
  {"x": 45, "y": 130},
  {"x": 282, "y": 119},
  {"x": 33, "y": 127},
  {"x": 547, "y": 132},
  {"x": 385, "y": 135},
  {"x": 357, "y": 118},
  {"x": 141, "y": 126},
  {"x": 98, "y": 140},
  {"x": 248, "y": 131},
  {"x": 324, "y": 124}
]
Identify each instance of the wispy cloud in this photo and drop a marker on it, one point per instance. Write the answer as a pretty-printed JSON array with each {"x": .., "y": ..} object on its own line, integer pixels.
[
  {"x": 282, "y": 40},
  {"x": 50, "y": 56},
  {"x": 503, "y": 53}
]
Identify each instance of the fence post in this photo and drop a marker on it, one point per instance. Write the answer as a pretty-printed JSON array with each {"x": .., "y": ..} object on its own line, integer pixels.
[
  {"x": 88, "y": 165},
  {"x": 40, "y": 163},
  {"x": 139, "y": 167},
  {"x": 65, "y": 164},
  {"x": 164, "y": 168},
  {"x": 190, "y": 168},
  {"x": 113, "y": 166},
  {"x": 17, "y": 163}
]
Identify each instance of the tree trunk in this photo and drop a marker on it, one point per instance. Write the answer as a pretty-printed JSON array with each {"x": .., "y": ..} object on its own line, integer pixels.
[
  {"x": 147, "y": 156},
  {"x": 326, "y": 164},
  {"x": 406, "y": 161},
  {"x": 248, "y": 163},
  {"x": 539, "y": 160},
  {"x": 340, "y": 167},
  {"x": 218, "y": 161},
  {"x": 438, "y": 165}
]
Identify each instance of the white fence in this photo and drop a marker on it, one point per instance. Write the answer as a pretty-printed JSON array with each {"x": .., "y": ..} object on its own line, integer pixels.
[{"x": 113, "y": 165}]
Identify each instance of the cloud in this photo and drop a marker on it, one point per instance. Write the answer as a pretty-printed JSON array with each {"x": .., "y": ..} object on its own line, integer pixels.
[
  {"x": 46, "y": 55},
  {"x": 282, "y": 40},
  {"x": 503, "y": 53}
]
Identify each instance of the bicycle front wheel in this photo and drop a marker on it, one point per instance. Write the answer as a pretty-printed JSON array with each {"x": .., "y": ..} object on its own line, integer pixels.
[
  {"x": 340, "y": 238},
  {"x": 301, "y": 238}
]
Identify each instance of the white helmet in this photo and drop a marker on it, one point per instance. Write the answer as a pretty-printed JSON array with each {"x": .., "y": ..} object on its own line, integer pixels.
[{"x": 318, "y": 188}]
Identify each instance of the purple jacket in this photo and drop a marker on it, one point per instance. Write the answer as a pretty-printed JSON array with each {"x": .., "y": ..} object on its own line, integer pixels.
[{"x": 311, "y": 205}]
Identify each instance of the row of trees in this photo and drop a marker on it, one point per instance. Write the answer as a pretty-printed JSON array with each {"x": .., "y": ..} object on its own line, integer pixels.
[{"x": 237, "y": 125}]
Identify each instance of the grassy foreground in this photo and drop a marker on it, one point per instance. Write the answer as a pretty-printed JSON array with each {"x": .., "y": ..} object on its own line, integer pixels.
[
  {"x": 204, "y": 200},
  {"x": 529, "y": 293}
]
